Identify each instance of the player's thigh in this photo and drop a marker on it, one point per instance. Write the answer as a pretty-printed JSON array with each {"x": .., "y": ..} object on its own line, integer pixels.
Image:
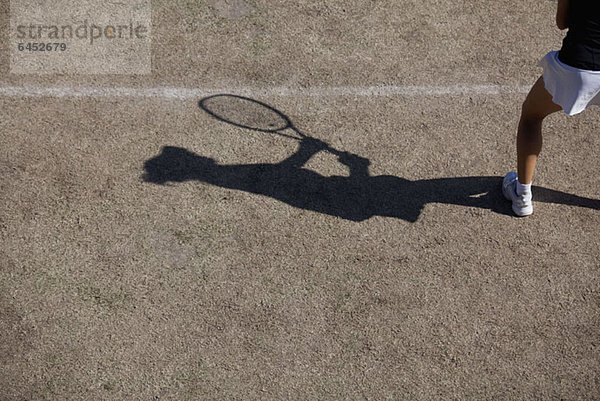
[{"x": 538, "y": 103}]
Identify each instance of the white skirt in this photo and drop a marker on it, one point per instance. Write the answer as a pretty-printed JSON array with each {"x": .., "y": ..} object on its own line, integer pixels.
[{"x": 571, "y": 88}]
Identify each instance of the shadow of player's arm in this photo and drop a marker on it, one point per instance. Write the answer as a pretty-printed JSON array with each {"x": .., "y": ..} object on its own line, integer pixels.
[{"x": 307, "y": 148}]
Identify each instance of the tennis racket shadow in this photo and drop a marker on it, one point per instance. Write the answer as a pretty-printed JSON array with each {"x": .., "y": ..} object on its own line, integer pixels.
[{"x": 356, "y": 197}]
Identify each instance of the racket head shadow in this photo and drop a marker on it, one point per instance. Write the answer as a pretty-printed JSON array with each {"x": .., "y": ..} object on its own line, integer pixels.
[{"x": 245, "y": 112}]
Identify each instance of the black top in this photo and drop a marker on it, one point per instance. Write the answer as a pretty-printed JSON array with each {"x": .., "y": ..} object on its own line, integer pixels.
[{"x": 581, "y": 46}]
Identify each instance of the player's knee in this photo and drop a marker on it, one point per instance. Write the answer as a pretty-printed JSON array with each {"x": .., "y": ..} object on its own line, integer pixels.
[{"x": 530, "y": 114}]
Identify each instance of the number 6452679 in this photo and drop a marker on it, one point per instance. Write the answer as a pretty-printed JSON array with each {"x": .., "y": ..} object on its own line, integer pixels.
[{"x": 42, "y": 47}]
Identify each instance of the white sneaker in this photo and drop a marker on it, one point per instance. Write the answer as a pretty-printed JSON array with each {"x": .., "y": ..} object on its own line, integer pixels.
[{"x": 521, "y": 205}]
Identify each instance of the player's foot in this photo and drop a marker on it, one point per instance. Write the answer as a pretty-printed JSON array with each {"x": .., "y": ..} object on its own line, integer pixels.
[{"x": 521, "y": 204}]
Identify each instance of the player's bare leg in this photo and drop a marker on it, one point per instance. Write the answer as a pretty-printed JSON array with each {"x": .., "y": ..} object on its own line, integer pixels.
[
  {"x": 516, "y": 187},
  {"x": 537, "y": 106}
]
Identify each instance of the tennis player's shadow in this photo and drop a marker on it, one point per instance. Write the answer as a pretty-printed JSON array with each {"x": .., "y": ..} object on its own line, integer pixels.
[{"x": 356, "y": 197}]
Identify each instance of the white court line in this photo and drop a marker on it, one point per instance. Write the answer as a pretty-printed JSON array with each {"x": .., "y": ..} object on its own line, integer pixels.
[{"x": 197, "y": 93}]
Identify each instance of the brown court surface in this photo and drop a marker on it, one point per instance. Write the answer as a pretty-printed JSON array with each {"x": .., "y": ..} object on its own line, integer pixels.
[{"x": 233, "y": 279}]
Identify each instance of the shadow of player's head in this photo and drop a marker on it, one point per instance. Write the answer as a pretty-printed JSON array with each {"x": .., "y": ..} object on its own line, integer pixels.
[{"x": 176, "y": 164}]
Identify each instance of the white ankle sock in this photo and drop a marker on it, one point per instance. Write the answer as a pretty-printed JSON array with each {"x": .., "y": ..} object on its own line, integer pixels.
[{"x": 523, "y": 188}]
